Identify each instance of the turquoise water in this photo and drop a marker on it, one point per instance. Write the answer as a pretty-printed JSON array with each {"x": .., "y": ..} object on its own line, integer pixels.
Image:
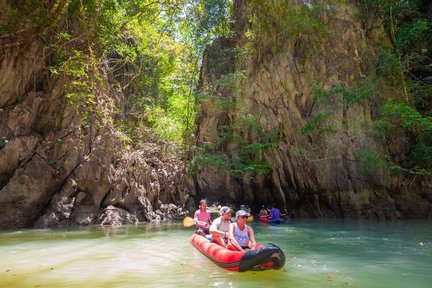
[{"x": 319, "y": 254}]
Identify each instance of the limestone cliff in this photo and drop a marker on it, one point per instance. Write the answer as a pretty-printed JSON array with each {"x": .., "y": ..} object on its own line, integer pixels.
[
  {"x": 317, "y": 174},
  {"x": 59, "y": 167}
]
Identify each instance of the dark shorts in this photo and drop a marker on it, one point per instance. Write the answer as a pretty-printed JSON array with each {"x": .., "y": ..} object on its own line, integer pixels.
[{"x": 203, "y": 231}]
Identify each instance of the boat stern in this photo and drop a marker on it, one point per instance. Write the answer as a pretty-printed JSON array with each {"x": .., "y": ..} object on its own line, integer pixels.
[{"x": 269, "y": 256}]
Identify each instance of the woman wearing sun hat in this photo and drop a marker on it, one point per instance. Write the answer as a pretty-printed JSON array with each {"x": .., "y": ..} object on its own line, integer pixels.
[{"x": 241, "y": 235}]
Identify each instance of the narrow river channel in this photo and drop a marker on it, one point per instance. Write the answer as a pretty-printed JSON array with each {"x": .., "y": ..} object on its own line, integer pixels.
[{"x": 319, "y": 254}]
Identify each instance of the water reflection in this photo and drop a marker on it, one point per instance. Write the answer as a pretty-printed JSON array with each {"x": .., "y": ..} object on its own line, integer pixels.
[{"x": 319, "y": 254}]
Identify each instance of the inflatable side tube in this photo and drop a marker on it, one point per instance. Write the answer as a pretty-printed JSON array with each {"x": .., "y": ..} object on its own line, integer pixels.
[
  {"x": 277, "y": 221},
  {"x": 264, "y": 219},
  {"x": 269, "y": 256}
]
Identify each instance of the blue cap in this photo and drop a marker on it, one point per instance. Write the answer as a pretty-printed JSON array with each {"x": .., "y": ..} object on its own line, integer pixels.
[{"x": 242, "y": 213}]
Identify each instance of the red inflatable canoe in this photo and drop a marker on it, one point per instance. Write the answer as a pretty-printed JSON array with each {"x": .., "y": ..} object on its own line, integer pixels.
[
  {"x": 263, "y": 219},
  {"x": 268, "y": 256}
]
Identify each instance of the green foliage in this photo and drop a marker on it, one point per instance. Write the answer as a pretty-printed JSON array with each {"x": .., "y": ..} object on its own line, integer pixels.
[
  {"x": 349, "y": 96},
  {"x": 3, "y": 142},
  {"x": 152, "y": 49},
  {"x": 76, "y": 68},
  {"x": 409, "y": 27},
  {"x": 22, "y": 18},
  {"x": 389, "y": 67},
  {"x": 229, "y": 82},
  {"x": 244, "y": 156},
  {"x": 413, "y": 33},
  {"x": 402, "y": 116},
  {"x": 422, "y": 92},
  {"x": 165, "y": 124},
  {"x": 316, "y": 124},
  {"x": 167, "y": 85},
  {"x": 405, "y": 67},
  {"x": 382, "y": 128},
  {"x": 54, "y": 164},
  {"x": 241, "y": 142},
  {"x": 397, "y": 118},
  {"x": 357, "y": 94},
  {"x": 207, "y": 159},
  {"x": 273, "y": 22},
  {"x": 204, "y": 21},
  {"x": 420, "y": 159},
  {"x": 371, "y": 161}
]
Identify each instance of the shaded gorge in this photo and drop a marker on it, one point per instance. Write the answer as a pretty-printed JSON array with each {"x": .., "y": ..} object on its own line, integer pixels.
[{"x": 319, "y": 254}]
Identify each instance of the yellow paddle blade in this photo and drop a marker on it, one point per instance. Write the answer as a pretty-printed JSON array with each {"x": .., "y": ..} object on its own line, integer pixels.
[
  {"x": 188, "y": 221},
  {"x": 250, "y": 219}
]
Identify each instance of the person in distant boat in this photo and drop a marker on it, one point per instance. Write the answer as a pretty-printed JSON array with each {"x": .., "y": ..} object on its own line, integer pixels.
[
  {"x": 241, "y": 235},
  {"x": 203, "y": 218},
  {"x": 275, "y": 213},
  {"x": 245, "y": 207},
  {"x": 263, "y": 212},
  {"x": 220, "y": 227}
]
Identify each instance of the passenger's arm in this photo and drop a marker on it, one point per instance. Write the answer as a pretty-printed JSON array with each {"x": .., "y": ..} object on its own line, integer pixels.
[
  {"x": 233, "y": 240},
  {"x": 252, "y": 238},
  {"x": 215, "y": 231}
]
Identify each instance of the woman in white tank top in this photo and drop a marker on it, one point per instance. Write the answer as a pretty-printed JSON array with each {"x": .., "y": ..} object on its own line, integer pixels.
[{"x": 241, "y": 235}]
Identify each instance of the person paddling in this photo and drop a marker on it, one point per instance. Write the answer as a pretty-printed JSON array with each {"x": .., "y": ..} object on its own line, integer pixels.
[
  {"x": 202, "y": 218},
  {"x": 241, "y": 235}
]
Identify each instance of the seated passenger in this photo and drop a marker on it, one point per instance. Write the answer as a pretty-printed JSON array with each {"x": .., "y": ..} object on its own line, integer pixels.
[
  {"x": 220, "y": 227},
  {"x": 241, "y": 235},
  {"x": 263, "y": 212},
  {"x": 275, "y": 213}
]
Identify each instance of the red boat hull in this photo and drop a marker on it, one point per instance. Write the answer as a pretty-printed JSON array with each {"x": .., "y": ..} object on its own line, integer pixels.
[
  {"x": 263, "y": 219},
  {"x": 267, "y": 256}
]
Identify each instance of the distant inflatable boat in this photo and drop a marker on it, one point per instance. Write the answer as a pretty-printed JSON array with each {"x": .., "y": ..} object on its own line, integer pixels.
[
  {"x": 271, "y": 221},
  {"x": 263, "y": 219},
  {"x": 268, "y": 256},
  {"x": 276, "y": 221}
]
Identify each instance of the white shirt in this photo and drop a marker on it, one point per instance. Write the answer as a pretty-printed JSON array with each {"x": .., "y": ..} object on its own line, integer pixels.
[
  {"x": 241, "y": 236},
  {"x": 218, "y": 224}
]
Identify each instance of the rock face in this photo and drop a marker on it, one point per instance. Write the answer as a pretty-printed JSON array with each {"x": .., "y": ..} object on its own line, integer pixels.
[
  {"x": 58, "y": 170},
  {"x": 314, "y": 174}
]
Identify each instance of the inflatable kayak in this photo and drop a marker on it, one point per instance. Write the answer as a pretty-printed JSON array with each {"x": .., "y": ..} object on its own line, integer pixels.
[
  {"x": 268, "y": 256},
  {"x": 263, "y": 219},
  {"x": 276, "y": 221}
]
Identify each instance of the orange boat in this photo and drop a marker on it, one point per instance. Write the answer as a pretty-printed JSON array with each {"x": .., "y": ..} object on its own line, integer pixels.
[{"x": 268, "y": 256}]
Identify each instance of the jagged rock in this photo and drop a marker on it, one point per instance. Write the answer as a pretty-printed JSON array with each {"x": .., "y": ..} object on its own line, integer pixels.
[
  {"x": 114, "y": 216},
  {"x": 58, "y": 170}
]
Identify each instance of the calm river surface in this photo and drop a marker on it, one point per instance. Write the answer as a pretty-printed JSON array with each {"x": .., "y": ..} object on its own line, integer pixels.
[{"x": 319, "y": 254}]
